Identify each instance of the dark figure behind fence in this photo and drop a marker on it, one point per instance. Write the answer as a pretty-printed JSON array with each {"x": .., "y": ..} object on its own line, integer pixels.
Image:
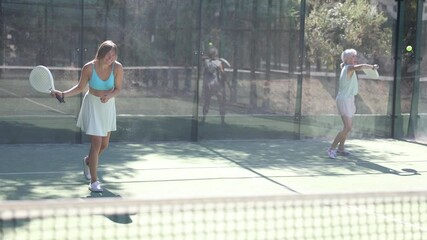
[{"x": 213, "y": 84}]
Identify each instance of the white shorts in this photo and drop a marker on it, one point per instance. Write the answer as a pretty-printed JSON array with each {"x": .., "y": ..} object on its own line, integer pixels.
[
  {"x": 97, "y": 118},
  {"x": 346, "y": 107}
]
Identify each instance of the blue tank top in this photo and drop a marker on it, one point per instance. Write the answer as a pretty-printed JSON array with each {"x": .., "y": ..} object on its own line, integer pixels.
[{"x": 98, "y": 84}]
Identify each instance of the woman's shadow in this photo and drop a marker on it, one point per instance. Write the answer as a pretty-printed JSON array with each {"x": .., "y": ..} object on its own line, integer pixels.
[
  {"x": 384, "y": 169},
  {"x": 122, "y": 218}
]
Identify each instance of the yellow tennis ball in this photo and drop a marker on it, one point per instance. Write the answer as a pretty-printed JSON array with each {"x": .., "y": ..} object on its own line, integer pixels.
[
  {"x": 210, "y": 44},
  {"x": 409, "y": 48}
]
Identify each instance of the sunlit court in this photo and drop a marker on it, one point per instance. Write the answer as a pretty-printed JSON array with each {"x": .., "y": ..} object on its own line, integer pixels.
[{"x": 199, "y": 119}]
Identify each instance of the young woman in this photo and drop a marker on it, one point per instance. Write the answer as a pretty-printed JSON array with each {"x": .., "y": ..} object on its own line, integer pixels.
[
  {"x": 348, "y": 88},
  {"x": 97, "y": 117}
]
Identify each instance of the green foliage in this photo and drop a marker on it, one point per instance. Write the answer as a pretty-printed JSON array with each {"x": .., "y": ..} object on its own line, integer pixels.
[{"x": 333, "y": 27}]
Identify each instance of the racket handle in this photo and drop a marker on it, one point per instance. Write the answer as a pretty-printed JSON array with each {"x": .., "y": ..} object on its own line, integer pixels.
[{"x": 60, "y": 99}]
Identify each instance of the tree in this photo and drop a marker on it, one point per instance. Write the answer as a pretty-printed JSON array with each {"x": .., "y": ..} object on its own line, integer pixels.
[{"x": 333, "y": 27}]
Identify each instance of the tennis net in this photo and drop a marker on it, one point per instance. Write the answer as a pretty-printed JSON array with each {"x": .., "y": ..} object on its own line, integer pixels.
[{"x": 345, "y": 216}]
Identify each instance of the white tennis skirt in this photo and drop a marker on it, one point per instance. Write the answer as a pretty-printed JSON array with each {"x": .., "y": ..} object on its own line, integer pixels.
[
  {"x": 346, "y": 106},
  {"x": 97, "y": 118}
]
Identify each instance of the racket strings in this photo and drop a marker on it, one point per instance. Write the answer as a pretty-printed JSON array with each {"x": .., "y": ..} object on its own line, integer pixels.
[{"x": 40, "y": 79}]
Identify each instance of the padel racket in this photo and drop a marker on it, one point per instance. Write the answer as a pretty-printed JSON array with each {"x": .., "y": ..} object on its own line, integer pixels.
[
  {"x": 227, "y": 64},
  {"x": 41, "y": 79},
  {"x": 371, "y": 73}
]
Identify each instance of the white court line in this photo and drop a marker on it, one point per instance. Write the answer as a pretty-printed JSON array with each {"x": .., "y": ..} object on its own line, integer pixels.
[{"x": 32, "y": 101}]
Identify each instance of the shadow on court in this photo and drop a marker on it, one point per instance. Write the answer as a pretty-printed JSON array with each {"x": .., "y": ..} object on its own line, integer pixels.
[
  {"x": 117, "y": 218},
  {"x": 167, "y": 170},
  {"x": 383, "y": 169}
]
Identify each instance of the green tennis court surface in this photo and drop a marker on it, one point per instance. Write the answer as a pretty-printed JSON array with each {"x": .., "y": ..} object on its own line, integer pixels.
[{"x": 266, "y": 189}]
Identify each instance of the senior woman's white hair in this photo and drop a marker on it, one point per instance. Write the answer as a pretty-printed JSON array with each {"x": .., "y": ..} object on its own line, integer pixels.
[{"x": 346, "y": 54}]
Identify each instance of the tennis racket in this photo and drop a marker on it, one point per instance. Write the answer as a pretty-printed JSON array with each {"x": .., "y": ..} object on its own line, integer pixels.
[
  {"x": 41, "y": 79},
  {"x": 227, "y": 64},
  {"x": 371, "y": 73}
]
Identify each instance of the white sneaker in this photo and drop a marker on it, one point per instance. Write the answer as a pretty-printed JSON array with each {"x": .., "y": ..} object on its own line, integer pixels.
[
  {"x": 95, "y": 187},
  {"x": 332, "y": 153},
  {"x": 86, "y": 171}
]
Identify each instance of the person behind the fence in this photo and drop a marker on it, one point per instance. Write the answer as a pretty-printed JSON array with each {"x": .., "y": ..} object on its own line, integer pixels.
[
  {"x": 213, "y": 84},
  {"x": 347, "y": 90}
]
